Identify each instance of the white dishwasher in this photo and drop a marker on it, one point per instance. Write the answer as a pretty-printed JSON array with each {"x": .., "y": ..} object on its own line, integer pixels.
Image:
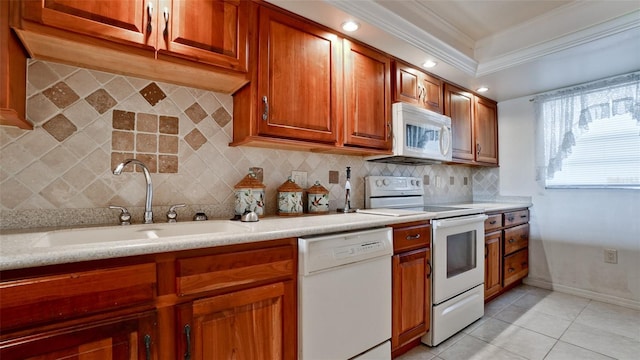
[{"x": 344, "y": 296}]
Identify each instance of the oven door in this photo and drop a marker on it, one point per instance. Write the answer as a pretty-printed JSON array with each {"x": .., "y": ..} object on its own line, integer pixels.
[{"x": 457, "y": 255}]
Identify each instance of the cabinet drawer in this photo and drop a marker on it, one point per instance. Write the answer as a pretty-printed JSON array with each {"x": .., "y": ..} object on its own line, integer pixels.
[
  {"x": 58, "y": 297},
  {"x": 493, "y": 222},
  {"x": 411, "y": 237},
  {"x": 219, "y": 271},
  {"x": 516, "y": 217},
  {"x": 516, "y": 266},
  {"x": 516, "y": 238}
]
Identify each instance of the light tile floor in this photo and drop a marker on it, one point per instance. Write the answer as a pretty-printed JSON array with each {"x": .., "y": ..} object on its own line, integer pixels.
[{"x": 533, "y": 323}]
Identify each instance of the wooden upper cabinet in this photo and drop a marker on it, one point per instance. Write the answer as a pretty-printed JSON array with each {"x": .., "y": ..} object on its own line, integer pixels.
[
  {"x": 210, "y": 31},
  {"x": 486, "y": 130},
  {"x": 367, "y": 97},
  {"x": 432, "y": 93},
  {"x": 130, "y": 21},
  {"x": 299, "y": 79},
  {"x": 459, "y": 106},
  {"x": 416, "y": 87}
]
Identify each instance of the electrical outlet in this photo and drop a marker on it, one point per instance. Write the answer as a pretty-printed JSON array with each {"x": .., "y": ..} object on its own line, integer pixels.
[
  {"x": 300, "y": 177},
  {"x": 611, "y": 256}
]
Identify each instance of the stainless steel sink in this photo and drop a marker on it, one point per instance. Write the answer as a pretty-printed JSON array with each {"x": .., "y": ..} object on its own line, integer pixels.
[{"x": 137, "y": 232}]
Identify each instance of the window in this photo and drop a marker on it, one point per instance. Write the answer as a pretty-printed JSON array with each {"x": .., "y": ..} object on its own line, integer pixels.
[{"x": 589, "y": 135}]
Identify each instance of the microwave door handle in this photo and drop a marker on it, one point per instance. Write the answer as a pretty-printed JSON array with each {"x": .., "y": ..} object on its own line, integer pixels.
[{"x": 445, "y": 144}]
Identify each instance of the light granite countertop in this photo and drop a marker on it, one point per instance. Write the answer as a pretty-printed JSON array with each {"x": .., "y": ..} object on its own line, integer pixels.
[{"x": 23, "y": 249}]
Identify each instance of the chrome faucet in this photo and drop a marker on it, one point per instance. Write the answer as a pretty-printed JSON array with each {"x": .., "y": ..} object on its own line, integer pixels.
[{"x": 148, "y": 214}]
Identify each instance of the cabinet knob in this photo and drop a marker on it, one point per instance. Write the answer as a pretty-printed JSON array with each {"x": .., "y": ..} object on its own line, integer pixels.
[
  {"x": 511, "y": 270},
  {"x": 493, "y": 222},
  {"x": 478, "y": 148},
  {"x": 429, "y": 272},
  {"x": 511, "y": 241}
]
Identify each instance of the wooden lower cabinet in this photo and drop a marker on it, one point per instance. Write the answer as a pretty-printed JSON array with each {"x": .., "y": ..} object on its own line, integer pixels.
[
  {"x": 506, "y": 257},
  {"x": 123, "y": 337},
  {"x": 245, "y": 324},
  {"x": 411, "y": 285},
  {"x": 226, "y": 302},
  {"x": 492, "y": 263}
]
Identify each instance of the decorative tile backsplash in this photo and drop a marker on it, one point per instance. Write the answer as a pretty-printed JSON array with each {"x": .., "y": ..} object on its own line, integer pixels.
[{"x": 86, "y": 121}]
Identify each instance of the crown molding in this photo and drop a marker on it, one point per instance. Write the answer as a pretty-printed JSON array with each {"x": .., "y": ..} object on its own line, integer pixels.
[
  {"x": 539, "y": 50},
  {"x": 393, "y": 24}
]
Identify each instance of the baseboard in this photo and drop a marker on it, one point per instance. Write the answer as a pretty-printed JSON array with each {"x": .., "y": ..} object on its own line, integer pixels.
[{"x": 632, "y": 304}]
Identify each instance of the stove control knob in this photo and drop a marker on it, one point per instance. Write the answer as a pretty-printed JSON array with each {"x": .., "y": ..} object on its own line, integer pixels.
[
  {"x": 378, "y": 183},
  {"x": 417, "y": 183},
  {"x": 413, "y": 182},
  {"x": 385, "y": 182}
]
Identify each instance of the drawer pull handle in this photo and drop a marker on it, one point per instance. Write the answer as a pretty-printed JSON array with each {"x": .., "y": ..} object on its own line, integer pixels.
[
  {"x": 510, "y": 218},
  {"x": 523, "y": 216},
  {"x": 511, "y": 241},
  {"x": 493, "y": 222},
  {"x": 149, "y": 17},
  {"x": 429, "y": 272},
  {"x": 187, "y": 335},
  {"x": 511, "y": 270},
  {"x": 413, "y": 237},
  {"x": 265, "y": 113},
  {"x": 147, "y": 346}
]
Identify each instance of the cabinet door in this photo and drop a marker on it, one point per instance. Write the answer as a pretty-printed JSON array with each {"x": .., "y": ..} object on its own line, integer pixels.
[
  {"x": 492, "y": 264},
  {"x": 367, "y": 97},
  {"x": 458, "y": 104},
  {"x": 299, "y": 79},
  {"x": 126, "y": 337},
  {"x": 411, "y": 296},
  {"x": 486, "y": 131},
  {"x": 130, "y": 21},
  {"x": 211, "y": 31},
  {"x": 407, "y": 86},
  {"x": 431, "y": 93},
  {"x": 247, "y": 324}
]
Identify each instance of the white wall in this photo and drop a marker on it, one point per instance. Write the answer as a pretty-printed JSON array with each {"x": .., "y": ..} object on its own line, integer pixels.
[{"x": 571, "y": 228}]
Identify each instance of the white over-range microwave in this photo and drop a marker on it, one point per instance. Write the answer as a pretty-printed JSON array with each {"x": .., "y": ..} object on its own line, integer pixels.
[{"x": 420, "y": 136}]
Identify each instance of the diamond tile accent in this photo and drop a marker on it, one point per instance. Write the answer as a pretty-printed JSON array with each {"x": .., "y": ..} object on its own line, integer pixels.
[
  {"x": 169, "y": 125},
  {"x": 195, "y": 112},
  {"x": 124, "y": 120},
  {"x": 101, "y": 101},
  {"x": 195, "y": 139},
  {"x": 61, "y": 95},
  {"x": 60, "y": 127},
  {"x": 221, "y": 116},
  {"x": 152, "y": 93}
]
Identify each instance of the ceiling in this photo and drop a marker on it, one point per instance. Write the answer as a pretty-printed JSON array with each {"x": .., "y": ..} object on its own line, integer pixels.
[{"x": 515, "y": 47}]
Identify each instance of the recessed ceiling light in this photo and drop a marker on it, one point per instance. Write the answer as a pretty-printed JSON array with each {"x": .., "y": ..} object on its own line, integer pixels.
[
  {"x": 482, "y": 89},
  {"x": 350, "y": 26},
  {"x": 429, "y": 64}
]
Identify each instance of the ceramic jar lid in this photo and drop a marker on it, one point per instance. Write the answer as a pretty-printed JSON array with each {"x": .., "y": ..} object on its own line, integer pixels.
[
  {"x": 249, "y": 182},
  {"x": 317, "y": 189},
  {"x": 289, "y": 186}
]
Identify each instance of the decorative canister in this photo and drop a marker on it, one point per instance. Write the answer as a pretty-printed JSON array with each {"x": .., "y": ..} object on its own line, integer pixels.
[
  {"x": 249, "y": 195},
  {"x": 290, "y": 199},
  {"x": 318, "y": 198}
]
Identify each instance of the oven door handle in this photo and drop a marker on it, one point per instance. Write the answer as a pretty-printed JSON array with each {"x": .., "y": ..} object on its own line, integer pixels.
[{"x": 458, "y": 221}]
